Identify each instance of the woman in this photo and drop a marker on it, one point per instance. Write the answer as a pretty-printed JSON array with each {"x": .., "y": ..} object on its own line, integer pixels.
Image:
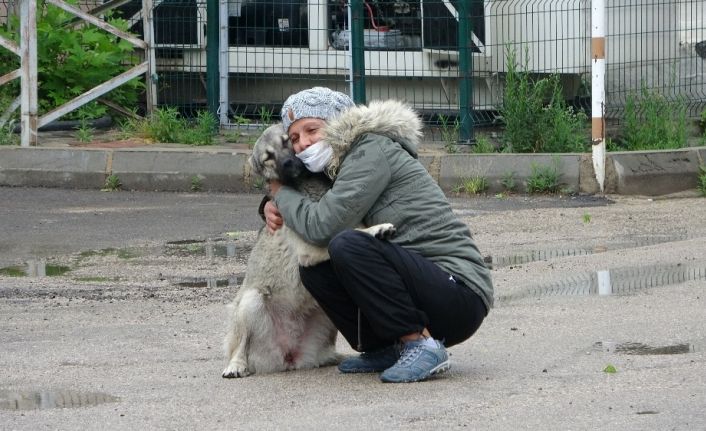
[{"x": 399, "y": 302}]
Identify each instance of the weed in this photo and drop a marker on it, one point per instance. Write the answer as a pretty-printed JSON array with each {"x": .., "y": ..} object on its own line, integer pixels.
[
  {"x": 610, "y": 369},
  {"x": 259, "y": 183},
  {"x": 508, "y": 181},
  {"x": 483, "y": 145},
  {"x": 702, "y": 180},
  {"x": 84, "y": 133},
  {"x": 13, "y": 271},
  {"x": 535, "y": 114},
  {"x": 544, "y": 179},
  {"x": 201, "y": 132},
  {"x": 112, "y": 184},
  {"x": 7, "y": 136},
  {"x": 449, "y": 133},
  {"x": 654, "y": 123},
  {"x": 265, "y": 116},
  {"x": 586, "y": 218},
  {"x": 167, "y": 125},
  {"x": 196, "y": 184},
  {"x": 472, "y": 185},
  {"x": 56, "y": 270}
]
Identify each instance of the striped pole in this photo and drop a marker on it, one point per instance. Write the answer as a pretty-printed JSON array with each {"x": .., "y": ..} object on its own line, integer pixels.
[{"x": 598, "y": 46}]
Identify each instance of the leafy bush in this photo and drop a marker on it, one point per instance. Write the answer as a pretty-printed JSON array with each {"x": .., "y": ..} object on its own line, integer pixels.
[
  {"x": 653, "y": 123},
  {"x": 74, "y": 59},
  {"x": 536, "y": 116},
  {"x": 702, "y": 180}
]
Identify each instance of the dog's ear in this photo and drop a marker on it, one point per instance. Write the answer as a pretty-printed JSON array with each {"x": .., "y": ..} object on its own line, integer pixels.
[{"x": 285, "y": 140}]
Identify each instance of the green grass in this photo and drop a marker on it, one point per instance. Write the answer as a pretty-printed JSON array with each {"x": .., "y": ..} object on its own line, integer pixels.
[
  {"x": 449, "y": 133},
  {"x": 702, "y": 180},
  {"x": 483, "y": 145},
  {"x": 544, "y": 179},
  {"x": 166, "y": 125},
  {"x": 472, "y": 185},
  {"x": 13, "y": 271},
  {"x": 112, "y": 184},
  {"x": 652, "y": 122}
]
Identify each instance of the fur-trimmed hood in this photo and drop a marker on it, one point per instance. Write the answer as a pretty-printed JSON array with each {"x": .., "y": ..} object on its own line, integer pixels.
[{"x": 389, "y": 118}]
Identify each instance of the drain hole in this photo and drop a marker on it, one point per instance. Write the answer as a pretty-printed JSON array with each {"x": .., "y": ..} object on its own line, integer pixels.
[{"x": 42, "y": 400}]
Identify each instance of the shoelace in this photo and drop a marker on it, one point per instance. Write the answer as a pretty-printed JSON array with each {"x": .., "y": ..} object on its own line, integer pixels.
[{"x": 410, "y": 354}]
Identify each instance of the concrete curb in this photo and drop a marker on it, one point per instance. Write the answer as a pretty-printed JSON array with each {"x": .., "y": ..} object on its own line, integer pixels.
[{"x": 649, "y": 173}]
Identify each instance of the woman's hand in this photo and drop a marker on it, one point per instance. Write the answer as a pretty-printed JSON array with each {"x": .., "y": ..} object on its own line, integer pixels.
[{"x": 273, "y": 219}]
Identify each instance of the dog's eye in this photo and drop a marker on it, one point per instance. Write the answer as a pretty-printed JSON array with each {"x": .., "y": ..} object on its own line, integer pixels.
[{"x": 285, "y": 141}]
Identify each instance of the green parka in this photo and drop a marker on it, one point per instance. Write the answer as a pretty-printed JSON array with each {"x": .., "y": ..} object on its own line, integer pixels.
[{"x": 378, "y": 179}]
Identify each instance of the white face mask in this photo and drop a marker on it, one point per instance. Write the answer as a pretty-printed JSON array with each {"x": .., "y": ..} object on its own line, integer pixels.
[{"x": 316, "y": 156}]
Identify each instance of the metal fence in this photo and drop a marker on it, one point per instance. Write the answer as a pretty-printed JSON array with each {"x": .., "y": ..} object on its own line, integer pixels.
[{"x": 268, "y": 49}]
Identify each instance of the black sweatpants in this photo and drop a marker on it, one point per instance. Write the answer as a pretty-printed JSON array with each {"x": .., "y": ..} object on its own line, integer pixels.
[{"x": 398, "y": 292}]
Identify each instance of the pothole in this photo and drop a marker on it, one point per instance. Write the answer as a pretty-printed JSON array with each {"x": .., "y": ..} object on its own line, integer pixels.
[
  {"x": 633, "y": 348},
  {"x": 41, "y": 400},
  {"x": 617, "y": 281}
]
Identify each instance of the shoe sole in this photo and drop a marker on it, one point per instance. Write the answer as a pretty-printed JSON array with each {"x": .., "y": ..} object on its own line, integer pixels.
[{"x": 439, "y": 369}]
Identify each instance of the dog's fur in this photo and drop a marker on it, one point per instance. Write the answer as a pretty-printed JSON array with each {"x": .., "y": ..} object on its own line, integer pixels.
[{"x": 275, "y": 324}]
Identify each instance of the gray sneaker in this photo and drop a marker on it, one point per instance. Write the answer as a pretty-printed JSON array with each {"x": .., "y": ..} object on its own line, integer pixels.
[
  {"x": 418, "y": 362},
  {"x": 371, "y": 362}
]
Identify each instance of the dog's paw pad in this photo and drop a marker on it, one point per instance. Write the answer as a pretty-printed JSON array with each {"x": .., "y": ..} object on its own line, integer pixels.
[{"x": 385, "y": 231}]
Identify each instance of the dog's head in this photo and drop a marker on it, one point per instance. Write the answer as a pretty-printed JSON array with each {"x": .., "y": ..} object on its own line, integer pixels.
[{"x": 273, "y": 157}]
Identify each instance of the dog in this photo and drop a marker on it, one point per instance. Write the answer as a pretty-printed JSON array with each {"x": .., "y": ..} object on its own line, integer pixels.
[{"x": 274, "y": 323}]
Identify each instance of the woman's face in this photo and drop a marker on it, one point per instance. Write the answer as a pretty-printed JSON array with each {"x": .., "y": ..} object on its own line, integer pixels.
[{"x": 306, "y": 132}]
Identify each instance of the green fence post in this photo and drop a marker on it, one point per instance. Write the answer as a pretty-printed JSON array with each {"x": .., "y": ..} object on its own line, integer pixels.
[
  {"x": 357, "y": 41},
  {"x": 465, "y": 70},
  {"x": 212, "y": 42}
]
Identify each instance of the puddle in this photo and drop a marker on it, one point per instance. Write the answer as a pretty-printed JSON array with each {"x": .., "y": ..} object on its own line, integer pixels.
[
  {"x": 527, "y": 256},
  {"x": 208, "y": 282},
  {"x": 209, "y": 249},
  {"x": 617, "y": 281},
  {"x": 632, "y": 348},
  {"x": 122, "y": 253},
  {"x": 42, "y": 400},
  {"x": 35, "y": 268}
]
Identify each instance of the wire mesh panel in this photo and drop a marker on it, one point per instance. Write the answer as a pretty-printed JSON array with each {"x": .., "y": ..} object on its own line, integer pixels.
[
  {"x": 9, "y": 62},
  {"x": 656, "y": 46},
  {"x": 277, "y": 47}
]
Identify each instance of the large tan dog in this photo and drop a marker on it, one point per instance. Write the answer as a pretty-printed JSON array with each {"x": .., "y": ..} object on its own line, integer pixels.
[{"x": 275, "y": 324}]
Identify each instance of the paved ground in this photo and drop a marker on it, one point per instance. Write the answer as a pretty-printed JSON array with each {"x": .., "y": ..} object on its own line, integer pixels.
[{"x": 139, "y": 317}]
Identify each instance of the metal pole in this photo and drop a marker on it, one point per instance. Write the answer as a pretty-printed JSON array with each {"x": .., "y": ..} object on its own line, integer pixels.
[
  {"x": 28, "y": 77},
  {"x": 151, "y": 74},
  {"x": 357, "y": 41},
  {"x": 212, "y": 42},
  {"x": 223, "y": 101},
  {"x": 598, "y": 55},
  {"x": 465, "y": 69}
]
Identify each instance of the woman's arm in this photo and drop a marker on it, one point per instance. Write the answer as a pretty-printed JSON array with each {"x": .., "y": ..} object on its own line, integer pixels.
[{"x": 363, "y": 176}]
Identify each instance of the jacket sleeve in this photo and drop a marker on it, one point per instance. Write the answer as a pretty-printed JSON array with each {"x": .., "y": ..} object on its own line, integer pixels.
[{"x": 363, "y": 176}]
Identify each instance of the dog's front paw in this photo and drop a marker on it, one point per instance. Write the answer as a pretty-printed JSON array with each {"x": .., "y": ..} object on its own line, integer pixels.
[
  {"x": 383, "y": 231},
  {"x": 234, "y": 371}
]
